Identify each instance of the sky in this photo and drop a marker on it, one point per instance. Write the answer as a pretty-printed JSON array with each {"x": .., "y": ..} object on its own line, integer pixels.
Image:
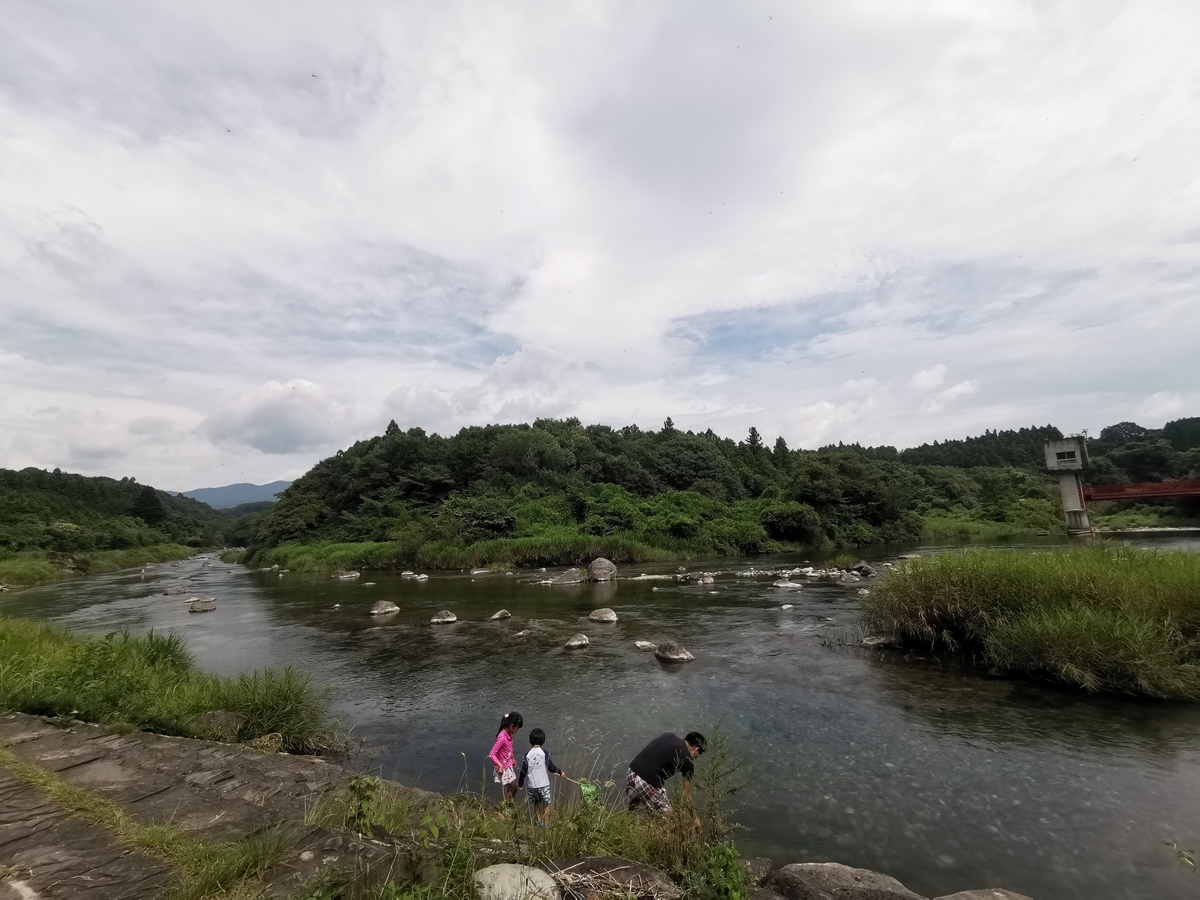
[{"x": 235, "y": 237}]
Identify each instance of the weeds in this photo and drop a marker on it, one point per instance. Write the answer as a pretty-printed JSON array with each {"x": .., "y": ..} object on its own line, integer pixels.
[
  {"x": 150, "y": 682},
  {"x": 32, "y": 568},
  {"x": 1102, "y": 618}
]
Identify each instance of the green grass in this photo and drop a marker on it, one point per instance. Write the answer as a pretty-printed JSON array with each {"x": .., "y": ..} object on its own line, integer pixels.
[
  {"x": 960, "y": 524},
  {"x": 203, "y": 867},
  {"x": 1139, "y": 515},
  {"x": 535, "y": 551},
  {"x": 1104, "y": 618},
  {"x": 150, "y": 682},
  {"x": 31, "y": 568}
]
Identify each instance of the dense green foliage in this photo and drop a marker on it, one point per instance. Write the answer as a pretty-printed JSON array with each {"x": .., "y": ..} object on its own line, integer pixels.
[
  {"x": 1022, "y": 449},
  {"x": 42, "y": 510},
  {"x": 29, "y": 567},
  {"x": 559, "y": 492},
  {"x": 1103, "y": 618},
  {"x": 150, "y": 682}
]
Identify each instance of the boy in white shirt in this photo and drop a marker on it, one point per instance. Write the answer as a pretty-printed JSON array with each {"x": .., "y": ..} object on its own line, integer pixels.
[{"x": 537, "y": 769}]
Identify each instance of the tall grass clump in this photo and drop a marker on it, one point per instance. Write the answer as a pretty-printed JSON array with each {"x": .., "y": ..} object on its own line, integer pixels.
[
  {"x": 1108, "y": 617},
  {"x": 151, "y": 682}
]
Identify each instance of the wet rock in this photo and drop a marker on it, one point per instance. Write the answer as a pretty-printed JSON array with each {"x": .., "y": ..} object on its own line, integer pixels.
[
  {"x": 985, "y": 894},
  {"x": 509, "y": 881},
  {"x": 602, "y": 569},
  {"x": 578, "y": 642},
  {"x": 422, "y": 577},
  {"x": 681, "y": 569},
  {"x": 786, "y": 606},
  {"x": 480, "y": 571},
  {"x": 880, "y": 641},
  {"x": 862, "y": 568},
  {"x": 671, "y": 652},
  {"x": 384, "y": 608},
  {"x": 757, "y": 868},
  {"x": 443, "y": 617},
  {"x": 705, "y": 579},
  {"x": 602, "y": 615},
  {"x": 502, "y": 614},
  {"x": 524, "y": 633},
  {"x": 833, "y": 881},
  {"x": 848, "y": 579},
  {"x": 785, "y": 584},
  {"x": 610, "y": 876},
  {"x": 645, "y": 645},
  {"x": 345, "y": 574},
  {"x": 407, "y": 573},
  {"x": 571, "y": 576},
  {"x": 201, "y": 604}
]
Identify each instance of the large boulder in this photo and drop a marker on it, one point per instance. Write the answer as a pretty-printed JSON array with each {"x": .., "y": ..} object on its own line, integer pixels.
[
  {"x": 671, "y": 652},
  {"x": 612, "y": 876},
  {"x": 571, "y": 576},
  {"x": 384, "y": 608},
  {"x": 986, "y": 894},
  {"x": 602, "y": 569},
  {"x": 863, "y": 568},
  {"x": 833, "y": 881},
  {"x": 443, "y": 617},
  {"x": 577, "y": 643},
  {"x": 502, "y": 614},
  {"x": 201, "y": 604},
  {"x": 603, "y": 615},
  {"x": 509, "y": 881}
]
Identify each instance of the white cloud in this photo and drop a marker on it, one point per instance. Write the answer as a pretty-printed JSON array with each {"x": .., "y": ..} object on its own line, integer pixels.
[
  {"x": 929, "y": 378},
  {"x": 455, "y": 214}
]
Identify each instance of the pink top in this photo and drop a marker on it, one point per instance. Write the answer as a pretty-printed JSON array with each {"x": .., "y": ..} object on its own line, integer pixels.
[{"x": 502, "y": 752}]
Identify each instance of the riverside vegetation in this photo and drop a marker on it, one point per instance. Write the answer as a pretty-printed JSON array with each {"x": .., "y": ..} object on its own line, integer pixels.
[
  {"x": 559, "y": 492},
  {"x": 1111, "y": 618}
]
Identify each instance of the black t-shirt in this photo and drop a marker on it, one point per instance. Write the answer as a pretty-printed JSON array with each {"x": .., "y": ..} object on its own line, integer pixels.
[{"x": 662, "y": 758}]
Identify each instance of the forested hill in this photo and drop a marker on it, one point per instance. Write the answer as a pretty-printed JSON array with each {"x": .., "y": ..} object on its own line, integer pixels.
[
  {"x": 42, "y": 510},
  {"x": 540, "y": 492}
]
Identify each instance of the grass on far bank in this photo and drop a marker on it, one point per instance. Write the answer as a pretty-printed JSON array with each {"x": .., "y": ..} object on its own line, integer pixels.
[
  {"x": 1107, "y": 617},
  {"x": 31, "y": 568},
  {"x": 150, "y": 682},
  {"x": 523, "y": 552}
]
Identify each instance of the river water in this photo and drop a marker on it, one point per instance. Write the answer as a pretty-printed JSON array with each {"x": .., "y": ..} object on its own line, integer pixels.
[{"x": 934, "y": 774}]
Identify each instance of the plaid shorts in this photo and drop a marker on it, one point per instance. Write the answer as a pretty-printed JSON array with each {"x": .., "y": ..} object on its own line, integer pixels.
[
  {"x": 539, "y": 795},
  {"x": 639, "y": 791}
]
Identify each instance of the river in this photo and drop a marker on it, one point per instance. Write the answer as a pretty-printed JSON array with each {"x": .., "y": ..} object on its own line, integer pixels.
[{"x": 934, "y": 774}]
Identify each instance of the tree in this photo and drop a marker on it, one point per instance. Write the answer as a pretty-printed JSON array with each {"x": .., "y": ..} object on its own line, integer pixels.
[
  {"x": 148, "y": 507},
  {"x": 781, "y": 448},
  {"x": 668, "y": 424},
  {"x": 1122, "y": 433},
  {"x": 753, "y": 439},
  {"x": 392, "y": 428}
]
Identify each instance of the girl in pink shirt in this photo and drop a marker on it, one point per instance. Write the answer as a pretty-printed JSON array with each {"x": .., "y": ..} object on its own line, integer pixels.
[{"x": 502, "y": 754}]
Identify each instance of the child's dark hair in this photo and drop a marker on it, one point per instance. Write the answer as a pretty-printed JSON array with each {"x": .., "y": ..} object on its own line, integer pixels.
[
  {"x": 537, "y": 737},
  {"x": 512, "y": 718}
]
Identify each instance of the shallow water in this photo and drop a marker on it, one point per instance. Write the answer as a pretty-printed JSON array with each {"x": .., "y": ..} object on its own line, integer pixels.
[{"x": 938, "y": 776}]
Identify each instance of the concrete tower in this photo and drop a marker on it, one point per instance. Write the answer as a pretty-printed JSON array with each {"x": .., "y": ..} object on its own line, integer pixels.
[{"x": 1067, "y": 458}]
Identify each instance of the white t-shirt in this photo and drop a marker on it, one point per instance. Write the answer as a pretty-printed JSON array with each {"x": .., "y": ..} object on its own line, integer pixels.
[{"x": 537, "y": 775}]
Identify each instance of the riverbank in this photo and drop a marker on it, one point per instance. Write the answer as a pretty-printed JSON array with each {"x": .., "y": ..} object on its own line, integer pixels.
[
  {"x": 137, "y": 815},
  {"x": 1102, "y": 618},
  {"x": 151, "y": 682},
  {"x": 31, "y": 568}
]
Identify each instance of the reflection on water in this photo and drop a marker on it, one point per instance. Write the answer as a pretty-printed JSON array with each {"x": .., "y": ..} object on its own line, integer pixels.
[{"x": 932, "y": 773}]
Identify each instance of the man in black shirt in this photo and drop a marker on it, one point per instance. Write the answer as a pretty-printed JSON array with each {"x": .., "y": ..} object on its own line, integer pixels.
[{"x": 658, "y": 761}]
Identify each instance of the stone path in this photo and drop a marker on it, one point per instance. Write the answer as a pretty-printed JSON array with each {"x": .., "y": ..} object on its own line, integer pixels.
[{"x": 219, "y": 791}]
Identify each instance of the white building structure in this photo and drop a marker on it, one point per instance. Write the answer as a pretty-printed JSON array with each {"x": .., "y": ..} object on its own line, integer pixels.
[{"x": 1067, "y": 458}]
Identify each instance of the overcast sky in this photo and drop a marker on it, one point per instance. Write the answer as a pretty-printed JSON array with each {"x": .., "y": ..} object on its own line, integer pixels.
[{"x": 235, "y": 237}]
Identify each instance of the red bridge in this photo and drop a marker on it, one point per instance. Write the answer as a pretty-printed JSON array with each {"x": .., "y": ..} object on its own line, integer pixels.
[{"x": 1145, "y": 489}]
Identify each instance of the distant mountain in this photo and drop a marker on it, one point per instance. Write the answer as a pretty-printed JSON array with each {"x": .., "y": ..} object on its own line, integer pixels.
[{"x": 236, "y": 494}]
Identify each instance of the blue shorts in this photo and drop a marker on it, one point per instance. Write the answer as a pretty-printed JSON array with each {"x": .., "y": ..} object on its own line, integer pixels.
[{"x": 539, "y": 795}]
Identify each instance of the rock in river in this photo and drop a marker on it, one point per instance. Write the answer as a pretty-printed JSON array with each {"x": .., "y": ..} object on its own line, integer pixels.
[
  {"x": 602, "y": 569},
  {"x": 671, "y": 652},
  {"x": 603, "y": 615},
  {"x": 444, "y": 617},
  {"x": 510, "y": 881},
  {"x": 502, "y": 614},
  {"x": 645, "y": 645},
  {"x": 578, "y": 642},
  {"x": 802, "y": 881},
  {"x": 571, "y": 576},
  {"x": 344, "y": 574},
  {"x": 384, "y": 608},
  {"x": 201, "y": 604}
]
